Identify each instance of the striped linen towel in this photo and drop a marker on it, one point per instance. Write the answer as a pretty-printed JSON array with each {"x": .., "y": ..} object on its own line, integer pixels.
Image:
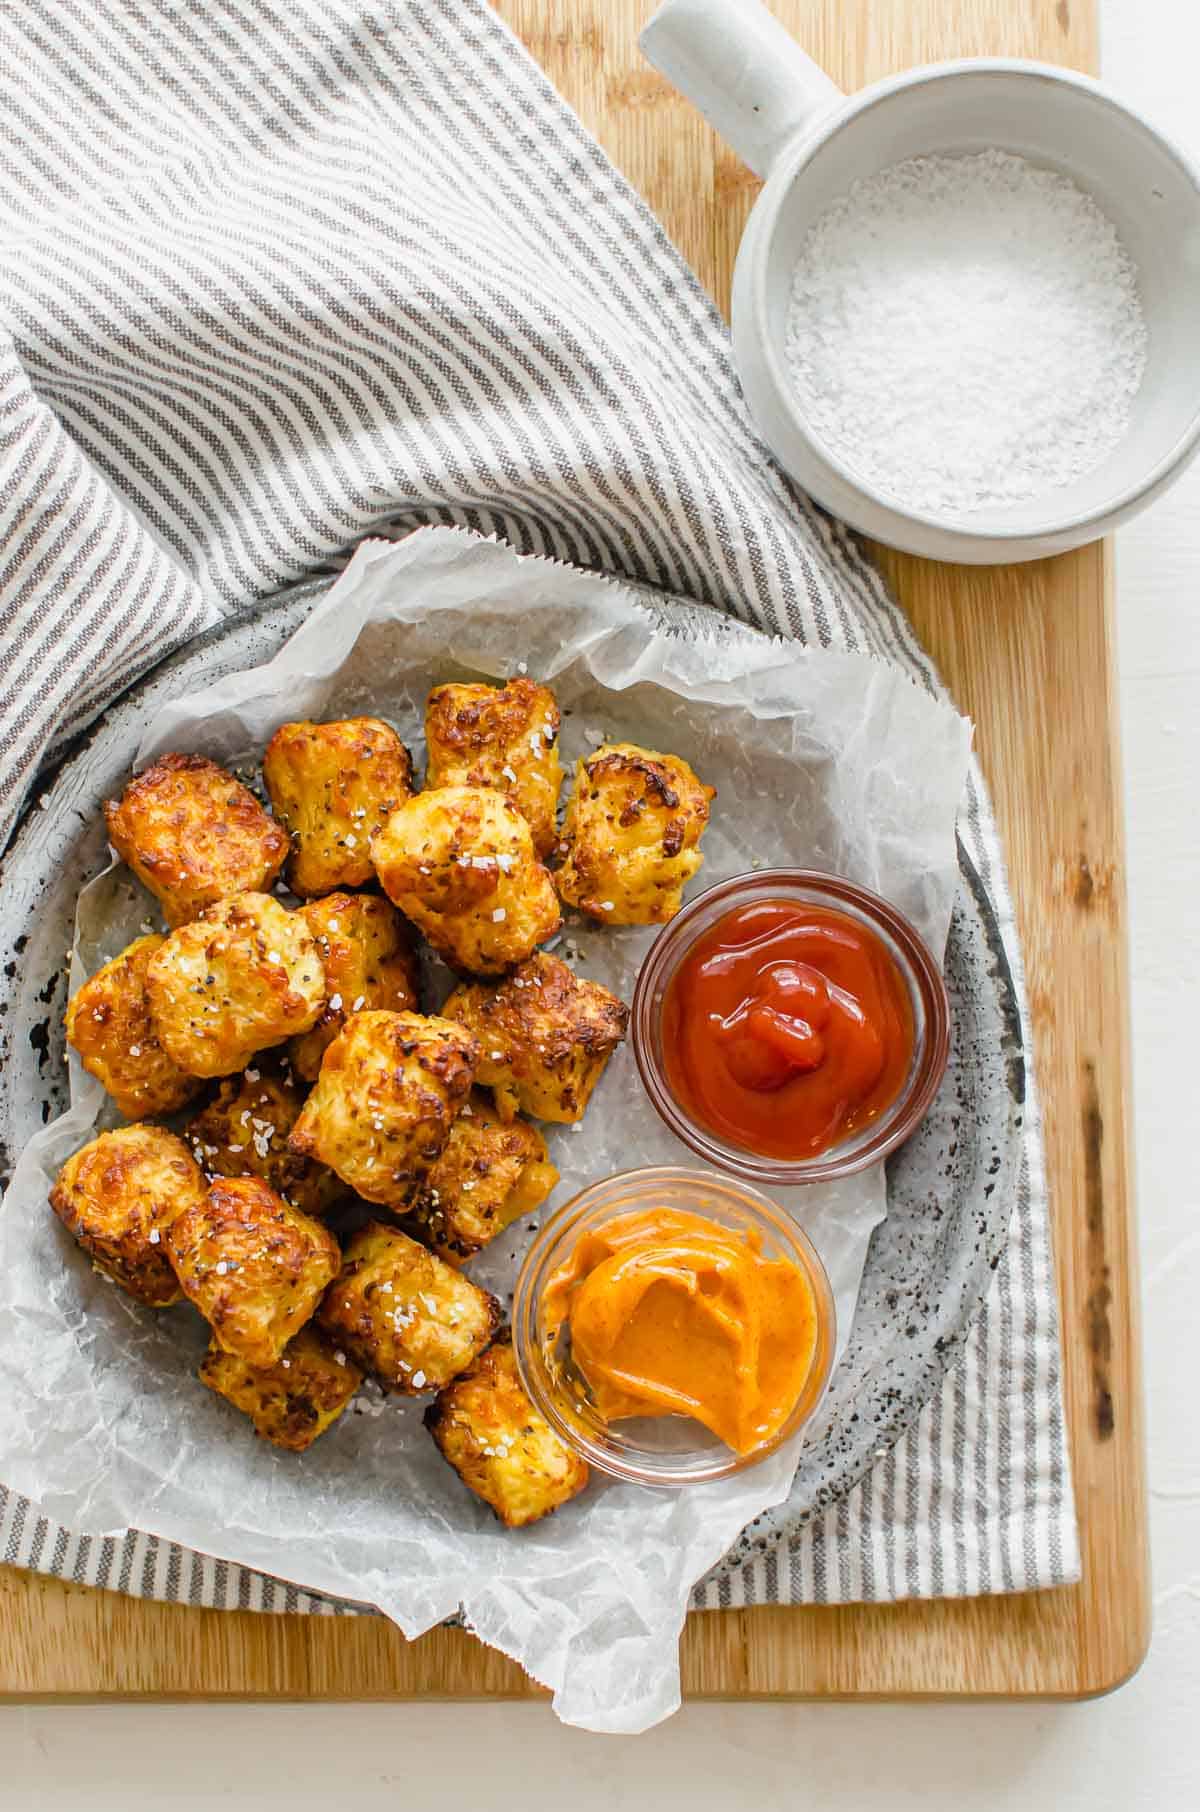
[{"x": 279, "y": 277}]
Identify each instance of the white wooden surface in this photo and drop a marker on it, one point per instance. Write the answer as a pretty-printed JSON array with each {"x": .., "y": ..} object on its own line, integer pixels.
[{"x": 1140, "y": 1747}]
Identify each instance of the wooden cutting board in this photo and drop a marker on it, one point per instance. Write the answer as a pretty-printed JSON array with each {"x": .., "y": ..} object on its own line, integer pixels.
[{"x": 1028, "y": 652}]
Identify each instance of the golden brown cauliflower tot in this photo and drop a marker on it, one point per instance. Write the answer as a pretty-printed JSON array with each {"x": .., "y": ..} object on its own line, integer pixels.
[
  {"x": 333, "y": 785},
  {"x": 244, "y": 1130},
  {"x": 630, "y": 835},
  {"x": 294, "y": 1400},
  {"x": 459, "y": 862},
  {"x": 389, "y": 1090},
  {"x": 544, "y": 1036},
  {"x": 503, "y": 737},
  {"x": 370, "y": 960},
  {"x": 243, "y": 976},
  {"x": 489, "y": 1175},
  {"x": 254, "y": 1266},
  {"x": 193, "y": 835},
  {"x": 108, "y": 1022},
  {"x": 403, "y": 1315},
  {"x": 119, "y": 1195},
  {"x": 500, "y": 1447}
]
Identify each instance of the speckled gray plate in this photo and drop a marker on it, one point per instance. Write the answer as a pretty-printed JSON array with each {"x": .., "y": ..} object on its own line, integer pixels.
[{"x": 950, "y": 1190}]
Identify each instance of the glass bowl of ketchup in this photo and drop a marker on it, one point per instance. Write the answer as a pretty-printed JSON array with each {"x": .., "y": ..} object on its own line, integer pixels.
[
  {"x": 791, "y": 1026},
  {"x": 673, "y": 1325}
]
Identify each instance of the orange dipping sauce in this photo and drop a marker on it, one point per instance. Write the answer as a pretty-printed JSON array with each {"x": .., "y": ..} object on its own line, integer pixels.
[
  {"x": 673, "y": 1314},
  {"x": 786, "y": 1028}
]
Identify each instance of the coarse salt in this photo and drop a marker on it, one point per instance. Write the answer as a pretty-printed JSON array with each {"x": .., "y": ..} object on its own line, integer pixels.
[{"x": 966, "y": 333}]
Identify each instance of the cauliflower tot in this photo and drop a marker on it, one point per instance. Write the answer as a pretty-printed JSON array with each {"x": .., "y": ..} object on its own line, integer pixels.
[
  {"x": 254, "y": 1266},
  {"x": 243, "y": 976},
  {"x": 108, "y": 1022},
  {"x": 489, "y": 1175},
  {"x": 459, "y": 862},
  {"x": 193, "y": 835},
  {"x": 629, "y": 838},
  {"x": 244, "y": 1130},
  {"x": 390, "y": 1087},
  {"x": 294, "y": 1400},
  {"x": 503, "y": 737},
  {"x": 403, "y": 1315},
  {"x": 333, "y": 785},
  {"x": 501, "y": 1448},
  {"x": 544, "y": 1037},
  {"x": 118, "y": 1195},
  {"x": 370, "y": 960}
]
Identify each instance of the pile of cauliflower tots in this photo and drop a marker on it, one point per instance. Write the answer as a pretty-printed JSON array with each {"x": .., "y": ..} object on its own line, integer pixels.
[{"x": 293, "y": 1038}]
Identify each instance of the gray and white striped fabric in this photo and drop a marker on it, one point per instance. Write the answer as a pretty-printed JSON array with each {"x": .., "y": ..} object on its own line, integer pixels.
[{"x": 278, "y": 276}]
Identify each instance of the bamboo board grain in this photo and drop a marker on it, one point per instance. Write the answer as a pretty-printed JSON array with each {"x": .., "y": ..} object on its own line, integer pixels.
[{"x": 1028, "y": 652}]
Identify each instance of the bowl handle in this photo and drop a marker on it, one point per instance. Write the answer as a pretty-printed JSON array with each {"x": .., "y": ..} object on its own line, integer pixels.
[{"x": 746, "y": 74}]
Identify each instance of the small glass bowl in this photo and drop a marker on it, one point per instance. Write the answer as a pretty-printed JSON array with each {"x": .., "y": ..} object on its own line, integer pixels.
[
  {"x": 657, "y": 1450},
  {"x": 916, "y": 963}
]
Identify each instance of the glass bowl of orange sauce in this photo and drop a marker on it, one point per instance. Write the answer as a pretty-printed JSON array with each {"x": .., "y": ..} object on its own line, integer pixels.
[
  {"x": 673, "y": 1325},
  {"x": 791, "y": 1026}
]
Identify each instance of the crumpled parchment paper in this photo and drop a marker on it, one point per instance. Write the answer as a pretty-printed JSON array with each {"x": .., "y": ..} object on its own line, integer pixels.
[{"x": 823, "y": 760}]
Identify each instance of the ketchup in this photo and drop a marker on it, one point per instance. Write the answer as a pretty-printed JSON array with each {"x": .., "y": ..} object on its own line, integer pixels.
[{"x": 787, "y": 1027}]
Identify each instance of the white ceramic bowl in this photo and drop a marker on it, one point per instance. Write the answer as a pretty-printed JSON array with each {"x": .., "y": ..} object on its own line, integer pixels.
[{"x": 812, "y": 143}]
